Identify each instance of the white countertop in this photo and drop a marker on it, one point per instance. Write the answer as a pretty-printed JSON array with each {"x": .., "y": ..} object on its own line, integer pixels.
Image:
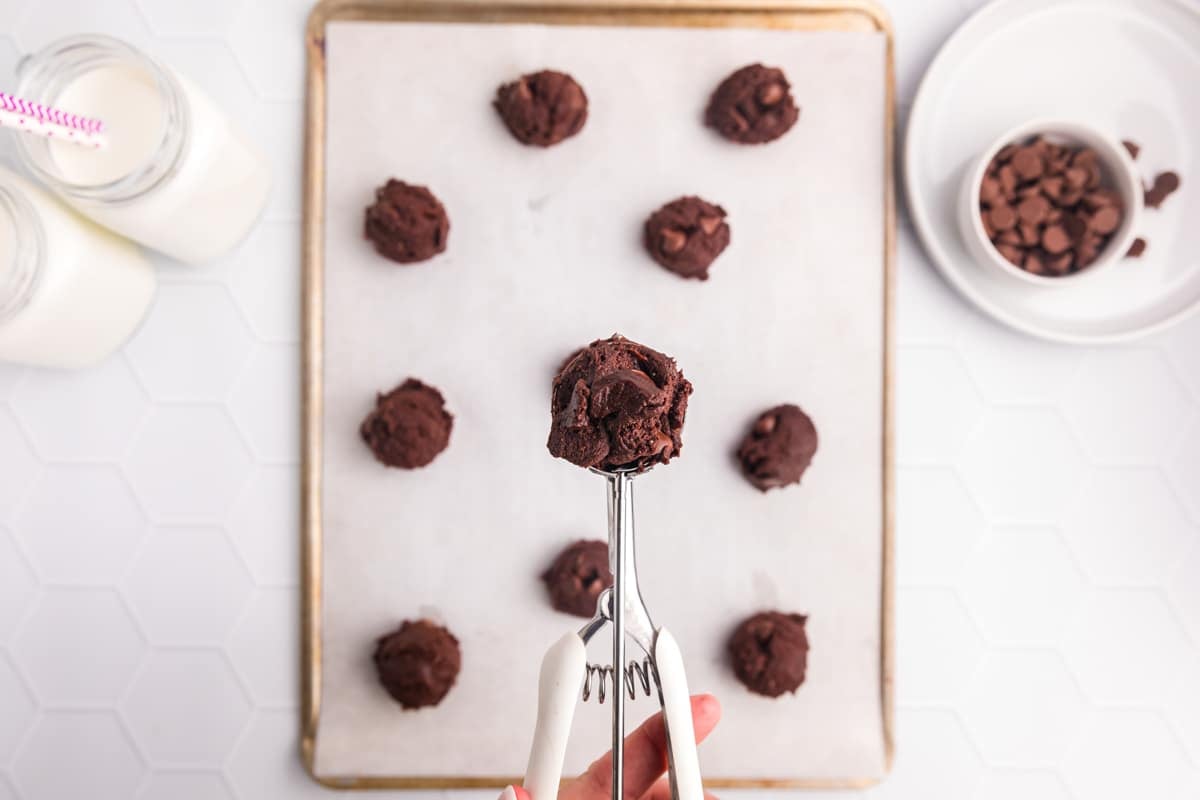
[{"x": 1048, "y": 539}]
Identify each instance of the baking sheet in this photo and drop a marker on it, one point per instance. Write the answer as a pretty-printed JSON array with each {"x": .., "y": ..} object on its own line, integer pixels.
[{"x": 544, "y": 255}]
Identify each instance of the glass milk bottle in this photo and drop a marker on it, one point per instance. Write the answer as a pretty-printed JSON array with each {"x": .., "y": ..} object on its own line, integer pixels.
[
  {"x": 176, "y": 174},
  {"x": 70, "y": 292}
]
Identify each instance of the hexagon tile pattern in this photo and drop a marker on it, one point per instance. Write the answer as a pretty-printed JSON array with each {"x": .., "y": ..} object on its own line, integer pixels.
[{"x": 1048, "y": 536}]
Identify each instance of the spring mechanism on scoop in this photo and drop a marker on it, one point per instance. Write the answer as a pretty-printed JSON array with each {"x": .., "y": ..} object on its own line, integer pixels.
[{"x": 638, "y": 673}]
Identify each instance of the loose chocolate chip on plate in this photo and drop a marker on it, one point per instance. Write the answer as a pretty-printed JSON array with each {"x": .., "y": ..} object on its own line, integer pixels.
[
  {"x": 1137, "y": 248},
  {"x": 1131, "y": 147},
  {"x": 1164, "y": 184}
]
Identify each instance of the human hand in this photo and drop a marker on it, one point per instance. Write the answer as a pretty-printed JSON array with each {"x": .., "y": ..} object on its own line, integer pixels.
[{"x": 645, "y": 761}]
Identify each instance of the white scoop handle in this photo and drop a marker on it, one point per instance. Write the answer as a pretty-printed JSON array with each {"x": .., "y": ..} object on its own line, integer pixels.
[
  {"x": 559, "y": 685},
  {"x": 677, "y": 712}
]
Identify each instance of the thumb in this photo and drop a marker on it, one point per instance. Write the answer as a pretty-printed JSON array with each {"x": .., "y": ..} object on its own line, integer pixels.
[{"x": 515, "y": 793}]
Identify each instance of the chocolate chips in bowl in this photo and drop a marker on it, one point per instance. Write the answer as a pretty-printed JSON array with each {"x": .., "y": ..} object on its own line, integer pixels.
[{"x": 1051, "y": 202}]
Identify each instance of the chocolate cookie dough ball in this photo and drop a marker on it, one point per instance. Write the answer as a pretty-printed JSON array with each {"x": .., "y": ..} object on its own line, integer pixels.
[
  {"x": 618, "y": 405},
  {"x": 769, "y": 652},
  {"x": 778, "y": 448},
  {"x": 752, "y": 106},
  {"x": 409, "y": 425},
  {"x": 406, "y": 223},
  {"x": 577, "y": 577},
  {"x": 418, "y": 663},
  {"x": 542, "y": 108},
  {"x": 686, "y": 236}
]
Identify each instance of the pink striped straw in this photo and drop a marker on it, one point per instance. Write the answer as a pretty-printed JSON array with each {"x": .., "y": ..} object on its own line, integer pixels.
[{"x": 25, "y": 115}]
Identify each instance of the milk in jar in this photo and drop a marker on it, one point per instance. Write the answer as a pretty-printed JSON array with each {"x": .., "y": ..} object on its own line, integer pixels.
[
  {"x": 177, "y": 175},
  {"x": 71, "y": 292}
]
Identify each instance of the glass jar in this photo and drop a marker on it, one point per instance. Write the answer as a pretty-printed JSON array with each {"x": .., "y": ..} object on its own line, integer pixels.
[
  {"x": 71, "y": 292},
  {"x": 176, "y": 174}
]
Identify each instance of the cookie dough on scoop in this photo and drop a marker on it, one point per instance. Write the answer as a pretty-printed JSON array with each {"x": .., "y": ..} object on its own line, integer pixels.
[
  {"x": 617, "y": 405},
  {"x": 769, "y": 652},
  {"x": 542, "y": 108},
  {"x": 686, "y": 236},
  {"x": 418, "y": 663},
  {"x": 778, "y": 448},
  {"x": 409, "y": 425},
  {"x": 577, "y": 577}
]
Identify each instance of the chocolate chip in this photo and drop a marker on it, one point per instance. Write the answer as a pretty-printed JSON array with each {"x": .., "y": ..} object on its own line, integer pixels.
[
  {"x": 765, "y": 424},
  {"x": 1010, "y": 236},
  {"x": 1069, "y": 198},
  {"x": 1100, "y": 198},
  {"x": 1164, "y": 184},
  {"x": 1005, "y": 153},
  {"x": 1052, "y": 187},
  {"x": 1008, "y": 181},
  {"x": 1002, "y": 217},
  {"x": 1137, "y": 248},
  {"x": 1075, "y": 226},
  {"x": 1084, "y": 157},
  {"x": 1055, "y": 239},
  {"x": 1033, "y": 263},
  {"x": 1030, "y": 234},
  {"x": 709, "y": 224},
  {"x": 1131, "y": 147},
  {"x": 1061, "y": 265},
  {"x": 1106, "y": 220},
  {"x": 1033, "y": 209},
  {"x": 1087, "y": 249},
  {"x": 771, "y": 94},
  {"x": 1076, "y": 177},
  {"x": 672, "y": 240},
  {"x": 1012, "y": 253},
  {"x": 989, "y": 190},
  {"x": 1027, "y": 162}
]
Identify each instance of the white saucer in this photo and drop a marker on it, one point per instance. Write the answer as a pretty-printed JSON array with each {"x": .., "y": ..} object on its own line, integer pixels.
[{"x": 1129, "y": 66}]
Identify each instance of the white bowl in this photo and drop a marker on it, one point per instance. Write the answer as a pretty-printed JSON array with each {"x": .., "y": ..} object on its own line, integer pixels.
[{"x": 1117, "y": 172}]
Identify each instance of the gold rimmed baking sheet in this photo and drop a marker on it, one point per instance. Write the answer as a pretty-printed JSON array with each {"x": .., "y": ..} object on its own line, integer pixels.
[{"x": 352, "y": 339}]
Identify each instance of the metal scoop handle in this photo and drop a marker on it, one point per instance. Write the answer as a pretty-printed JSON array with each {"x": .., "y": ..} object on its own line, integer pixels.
[{"x": 565, "y": 669}]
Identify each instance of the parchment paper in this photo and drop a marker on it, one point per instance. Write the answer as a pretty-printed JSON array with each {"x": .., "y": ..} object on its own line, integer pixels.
[{"x": 544, "y": 256}]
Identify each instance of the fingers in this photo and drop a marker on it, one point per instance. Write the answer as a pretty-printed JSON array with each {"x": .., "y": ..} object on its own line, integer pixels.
[
  {"x": 645, "y": 755},
  {"x": 661, "y": 790},
  {"x": 515, "y": 793}
]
